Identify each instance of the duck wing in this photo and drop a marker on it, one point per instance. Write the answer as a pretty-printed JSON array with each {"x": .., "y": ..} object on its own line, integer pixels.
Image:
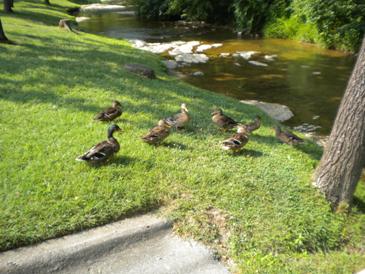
[
  {"x": 156, "y": 135},
  {"x": 254, "y": 125},
  {"x": 99, "y": 152},
  {"x": 109, "y": 114},
  {"x": 237, "y": 141}
]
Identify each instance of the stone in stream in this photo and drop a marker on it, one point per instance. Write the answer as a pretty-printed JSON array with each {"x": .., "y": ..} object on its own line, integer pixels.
[
  {"x": 224, "y": 54},
  {"x": 170, "y": 64},
  {"x": 202, "y": 48},
  {"x": 184, "y": 49},
  {"x": 141, "y": 70},
  {"x": 259, "y": 64},
  {"x": 95, "y": 8},
  {"x": 316, "y": 73},
  {"x": 197, "y": 73},
  {"x": 278, "y": 112},
  {"x": 271, "y": 57},
  {"x": 81, "y": 19},
  {"x": 246, "y": 54},
  {"x": 193, "y": 58}
]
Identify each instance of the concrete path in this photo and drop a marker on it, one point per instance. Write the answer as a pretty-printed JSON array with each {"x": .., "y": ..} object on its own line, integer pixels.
[{"x": 143, "y": 244}]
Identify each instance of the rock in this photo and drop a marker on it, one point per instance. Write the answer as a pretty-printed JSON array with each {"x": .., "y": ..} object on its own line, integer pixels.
[
  {"x": 246, "y": 54},
  {"x": 224, "y": 54},
  {"x": 198, "y": 73},
  {"x": 193, "y": 58},
  {"x": 202, "y": 48},
  {"x": 306, "y": 128},
  {"x": 94, "y": 8},
  {"x": 237, "y": 64},
  {"x": 82, "y": 19},
  {"x": 305, "y": 66},
  {"x": 259, "y": 64},
  {"x": 278, "y": 112},
  {"x": 316, "y": 73},
  {"x": 141, "y": 70},
  {"x": 271, "y": 57},
  {"x": 315, "y": 117},
  {"x": 185, "y": 48},
  {"x": 170, "y": 64}
]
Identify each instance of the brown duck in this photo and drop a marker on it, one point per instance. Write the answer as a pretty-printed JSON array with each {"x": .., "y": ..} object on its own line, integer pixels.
[
  {"x": 158, "y": 133},
  {"x": 110, "y": 113},
  {"x": 237, "y": 141},
  {"x": 254, "y": 125},
  {"x": 103, "y": 150},
  {"x": 179, "y": 120},
  {"x": 222, "y": 120},
  {"x": 287, "y": 137}
]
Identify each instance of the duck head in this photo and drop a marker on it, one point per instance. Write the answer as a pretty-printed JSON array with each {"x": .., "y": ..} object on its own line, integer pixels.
[
  {"x": 184, "y": 108},
  {"x": 113, "y": 128},
  {"x": 241, "y": 129},
  {"x": 116, "y": 104}
]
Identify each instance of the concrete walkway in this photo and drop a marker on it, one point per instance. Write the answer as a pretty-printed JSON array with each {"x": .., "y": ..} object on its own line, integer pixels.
[{"x": 143, "y": 244}]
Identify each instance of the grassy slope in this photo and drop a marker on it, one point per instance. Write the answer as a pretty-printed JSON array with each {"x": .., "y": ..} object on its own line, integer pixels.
[{"x": 52, "y": 84}]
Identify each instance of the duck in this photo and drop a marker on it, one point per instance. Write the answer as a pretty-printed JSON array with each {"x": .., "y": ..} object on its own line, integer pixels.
[
  {"x": 287, "y": 137},
  {"x": 254, "y": 125},
  {"x": 104, "y": 150},
  {"x": 237, "y": 141},
  {"x": 158, "y": 133},
  {"x": 180, "y": 119},
  {"x": 222, "y": 120},
  {"x": 110, "y": 113}
]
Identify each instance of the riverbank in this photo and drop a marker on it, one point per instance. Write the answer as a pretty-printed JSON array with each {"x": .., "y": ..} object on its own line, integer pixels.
[{"x": 257, "y": 208}]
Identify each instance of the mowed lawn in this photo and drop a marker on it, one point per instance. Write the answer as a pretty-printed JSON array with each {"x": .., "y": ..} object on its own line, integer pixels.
[{"x": 257, "y": 208}]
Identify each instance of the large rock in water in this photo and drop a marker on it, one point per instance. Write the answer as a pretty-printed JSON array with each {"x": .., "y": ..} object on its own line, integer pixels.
[
  {"x": 278, "y": 112},
  {"x": 141, "y": 70}
]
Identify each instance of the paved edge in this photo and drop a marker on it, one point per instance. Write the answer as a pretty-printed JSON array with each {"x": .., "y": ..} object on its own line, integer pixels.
[{"x": 57, "y": 254}]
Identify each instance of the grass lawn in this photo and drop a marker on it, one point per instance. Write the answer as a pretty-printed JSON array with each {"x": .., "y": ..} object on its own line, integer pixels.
[{"x": 257, "y": 208}]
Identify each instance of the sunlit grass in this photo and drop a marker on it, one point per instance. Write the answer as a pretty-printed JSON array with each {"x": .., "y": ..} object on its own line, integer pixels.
[{"x": 51, "y": 85}]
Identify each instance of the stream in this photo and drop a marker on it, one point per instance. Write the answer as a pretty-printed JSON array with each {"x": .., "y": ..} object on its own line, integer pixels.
[{"x": 307, "y": 79}]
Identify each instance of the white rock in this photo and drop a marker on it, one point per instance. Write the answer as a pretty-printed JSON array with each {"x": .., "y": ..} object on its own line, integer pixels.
[
  {"x": 224, "y": 54},
  {"x": 81, "y": 19},
  {"x": 237, "y": 64},
  {"x": 192, "y": 58},
  {"x": 279, "y": 112},
  {"x": 271, "y": 57},
  {"x": 247, "y": 54},
  {"x": 202, "y": 48},
  {"x": 217, "y": 45},
  {"x": 198, "y": 73},
  {"x": 305, "y": 66},
  {"x": 170, "y": 64},
  {"x": 259, "y": 64},
  {"x": 101, "y": 8},
  {"x": 184, "y": 48},
  {"x": 316, "y": 73}
]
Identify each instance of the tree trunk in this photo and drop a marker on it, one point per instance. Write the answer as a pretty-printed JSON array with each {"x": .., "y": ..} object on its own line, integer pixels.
[
  {"x": 3, "y": 38},
  {"x": 344, "y": 157},
  {"x": 47, "y": 2},
  {"x": 7, "y": 6}
]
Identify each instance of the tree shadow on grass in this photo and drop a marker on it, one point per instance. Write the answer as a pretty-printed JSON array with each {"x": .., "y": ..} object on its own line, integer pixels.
[
  {"x": 123, "y": 160},
  {"x": 311, "y": 149},
  {"x": 359, "y": 204},
  {"x": 247, "y": 153},
  {"x": 270, "y": 140}
]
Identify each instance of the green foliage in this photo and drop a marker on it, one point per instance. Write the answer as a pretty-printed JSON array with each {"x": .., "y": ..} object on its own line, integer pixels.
[
  {"x": 53, "y": 82},
  {"x": 333, "y": 24}
]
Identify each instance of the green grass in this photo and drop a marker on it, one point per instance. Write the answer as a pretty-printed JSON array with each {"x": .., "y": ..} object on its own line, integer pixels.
[{"x": 257, "y": 208}]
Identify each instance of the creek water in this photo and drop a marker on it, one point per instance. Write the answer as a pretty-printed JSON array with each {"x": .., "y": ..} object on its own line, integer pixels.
[{"x": 306, "y": 78}]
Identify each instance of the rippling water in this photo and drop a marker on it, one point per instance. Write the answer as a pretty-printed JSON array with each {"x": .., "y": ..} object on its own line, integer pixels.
[{"x": 309, "y": 80}]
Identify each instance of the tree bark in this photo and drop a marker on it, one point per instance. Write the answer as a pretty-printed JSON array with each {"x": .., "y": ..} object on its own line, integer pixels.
[
  {"x": 3, "y": 38},
  {"x": 7, "y": 6},
  {"x": 344, "y": 157},
  {"x": 47, "y": 2}
]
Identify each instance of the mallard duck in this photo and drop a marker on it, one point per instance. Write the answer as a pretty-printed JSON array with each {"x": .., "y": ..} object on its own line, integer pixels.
[
  {"x": 254, "y": 125},
  {"x": 287, "y": 137},
  {"x": 110, "y": 113},
  {"x": 237, "y": 141},
  {"x": 180, "y": 119},
  {"x": 158, "y": 133},
  {"x": 222, "y": 120},
  {"x": 103, "y": 150}
]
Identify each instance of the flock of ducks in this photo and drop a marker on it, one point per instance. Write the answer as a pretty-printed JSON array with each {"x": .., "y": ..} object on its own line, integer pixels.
[{"x": 104, "y": 150}]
